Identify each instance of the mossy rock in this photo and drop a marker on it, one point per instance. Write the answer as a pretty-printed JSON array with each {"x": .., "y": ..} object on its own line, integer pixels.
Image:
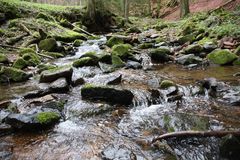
[
  {"x": 160, "y": 55},
  {"x": 2, "y": 32},
  {"x": 12, "y": 74},
  {"x": 105, "y": 58},
  {"x": 237, "y": 50},
  {"x": 54, "y": 54},
  {"x": 133, "y": 30},
  {"x": 166, "y": 84},
  {"x": 45, "y": 17},
  {"x": 145, "y": 45},
  {"x": 222, "y": 57},
  {"x": 26, "y": 50},
  {"x": 92, "y": 55},
  {"x": 32, "y": 59},
  {"x": 122, "y": 51},
  {"x": 66, "y": 23},
  {"x": 161, "y": 26},
  {"x": 237, "y": 62},
  {"x": 114, "y": 41},
  {"x": 46, "y": 118},
  {"x": 77, "y": 42},
  {"x": 3, "y": 58},
  {"x": 117, "y": 62},
  {"x": 85, "y": 61},
  {"x": 20, "y": 63},
  {"x": 187, "y": 38},
  {"x": 49, "y": 44},
  {"x": 43, "y": 67},
  {"x": 193, "y": 49}
]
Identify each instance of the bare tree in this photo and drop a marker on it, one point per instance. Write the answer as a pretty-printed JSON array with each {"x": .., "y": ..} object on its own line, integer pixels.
[{"x": 184, "y": 8}]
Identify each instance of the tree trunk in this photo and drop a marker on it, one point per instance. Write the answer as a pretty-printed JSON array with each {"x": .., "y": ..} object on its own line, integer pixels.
[
  {"x": 184, "y": 8},
  {"x": 154, "y": 8},
  {"x": 126, "y": 10},
  {"x": 91, "y": 10}
]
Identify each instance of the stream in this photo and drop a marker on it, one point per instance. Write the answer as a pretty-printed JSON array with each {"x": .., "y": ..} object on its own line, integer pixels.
[{"x": 115, "y": 132}]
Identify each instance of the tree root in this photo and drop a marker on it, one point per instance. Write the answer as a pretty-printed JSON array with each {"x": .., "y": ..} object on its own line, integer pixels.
[{"x": 187, "y": 134}]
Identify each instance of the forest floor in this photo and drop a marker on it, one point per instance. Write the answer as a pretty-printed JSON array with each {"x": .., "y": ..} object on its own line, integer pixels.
[{"x": 202, "y": 6}]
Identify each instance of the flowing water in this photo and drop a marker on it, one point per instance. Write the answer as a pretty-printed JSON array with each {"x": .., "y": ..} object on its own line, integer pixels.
[{"x": 101, "y": 131}]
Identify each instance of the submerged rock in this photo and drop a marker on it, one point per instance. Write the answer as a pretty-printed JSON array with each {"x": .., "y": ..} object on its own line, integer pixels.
[
  {"x": 103, "y": 93},
  {"x": 53, "y": 74},
  {"x": 189, "y": 59},
  {"x": 222, "y": 57}
]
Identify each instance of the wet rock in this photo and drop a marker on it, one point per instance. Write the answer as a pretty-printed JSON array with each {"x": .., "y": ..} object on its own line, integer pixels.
[
  {"x": 184, "y": 39},
  {"x": 34, "y": 94},
  {"x": 160, "y": 55},
  {"x": 6, "y": 150},
  {"x": 237, "y": 74},
  {"x": 222, "y": 57},
  {"x": 233, "y": 98},
  {"x": 193, "y": 49},
  {"x": 106, "y": 68},
  {"x": 49, "y": 45},
  {"x": 209, "y": 83},
  {"x": 174, "y": 98},
  {"x": 209, "y": 46},
  {"x": 4, "y": 104},
  {"x": 188, "y": 59},
  {"x": 115, "y": 80},
  {"x": 85, "y": 61},
  {"x": 77, "y": 43},
  {"x": 106, "y": 94},
  {"x": 77, "y": 81},
  {"x": 19, "y": 121},
  {"x": 59, "y": 86},
  {"x": 133, "y": 65},
  {"x": 155, "y": 96},
  {"x": 56, "y": 73},
  {"x": 166, "y": 84},
  {"x": 236, "y": 62},
  {"x": 12, "y": 74},
  {"x": 229, "y": 147}
]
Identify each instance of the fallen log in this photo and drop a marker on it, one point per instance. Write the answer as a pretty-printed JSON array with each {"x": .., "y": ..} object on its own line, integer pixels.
[{"x": 187, "y": 134}]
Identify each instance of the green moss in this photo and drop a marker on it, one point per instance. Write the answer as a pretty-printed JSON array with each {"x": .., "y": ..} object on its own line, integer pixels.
[
  {"x": 20, "y": 63},
  {"x": 43, "y": 67},
  {"x": 207, "y": 40},
  {"x": 2, "y": 32},
  {"x": 194, "y": 48},
  {"x": 26, "y": 50},
  {"x": 166, "y": 84},
  {"x": 3, "y": 58},
  {"x": 49, "y": 44},
  {"x": 237, "y": 62},
  {"x": 114, "y": 41},
  {"x": 145, "y": 45},
  {"x": 47, "y": 117},
  {"x": 85, "y": 61},
  {"x": 54, "y": 54},
  {"x": 45, "y": 17},
  {"x": 187, "y": 38},
  {"x": 12, "y": 74},
  {"x": 133, "y": 29},
  {"x": 32, "y": 59},
  {"x": 122, "y": 50},
  {"x": 222, "y": 57},
  {"x": 237, "y": 50},
  {"x": 77, "y": 42},
  {"x": 160, "y": 55},
  {"x": 117, "y": 62}
]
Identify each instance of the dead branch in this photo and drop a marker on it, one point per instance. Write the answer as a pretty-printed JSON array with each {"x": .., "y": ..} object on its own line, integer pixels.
[
  {"x": 23, "y": 27},
  {"x": 222, "y": 5},
  {"x": 187, "y": 134}
]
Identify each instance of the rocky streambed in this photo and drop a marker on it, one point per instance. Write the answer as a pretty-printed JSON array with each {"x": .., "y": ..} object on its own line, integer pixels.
[{"x": 101, "y": 110}]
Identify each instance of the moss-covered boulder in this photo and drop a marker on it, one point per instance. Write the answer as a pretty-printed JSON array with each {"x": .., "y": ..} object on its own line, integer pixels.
[
  {"x": 47, "y": 118},
  {"x": 32, "y": 59},
  {"x": 12, "y": 74},
  {"x": 146, "y": 45},
  {"x": 133, "y": 30},
  {"x": 51, "y": 75},
  {"x": 22, "y": 51},
  {"x": 222, "y": 57},
  {"x": 45, "y": 16},
  {"x": 102, "y": 93},
  {"x": 3, "y": 58},
  {"x": 122, "y": 51},
  {"x": 114, "y": 41},
  {"x": 20, "y": 63},
  {"x": 166, "y": 84},
  {"x": 117, "y": 62},
  {"x": 160, "y": 55},
  {"x": 85, "y": 61},
  {"x": 193, "y": 49},
  {"x": 187, "y": 38},
  {"x": 77, "y": 42},
  {"x": 49, "y": 44},
  {"x": 92, "y": 55},
  {"x": 237, "y": 61}
]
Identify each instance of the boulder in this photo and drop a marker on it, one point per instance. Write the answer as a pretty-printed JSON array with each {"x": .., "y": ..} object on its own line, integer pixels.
[
  {"x": 133, "y": 65},
  {"x": 160, "y": 55},
  {"x": 85, "y": 61},
  {"x": 229, "y": 147},
  {"x": 122, "y": 51},
  {"x": 12, "y": 74},
  {"x": 59, "y": 86},
  {"x": 115, "y": 80},
  {"x": 56, "y": 73},
  {"x": 103, "y": 93},
  {"x": 222, "y": 57},
  {"x": 209, "y": 46},
  {"x": 114, "y": 40},
  {"x": 189, "y": 59},
  {"x": 49, "y": 44},
  {"x": 237, "y": 61},
  {"x": 193, "y": 49},
  {"x": 184, "y": 39},
  {"x": 20, "y": 63}
]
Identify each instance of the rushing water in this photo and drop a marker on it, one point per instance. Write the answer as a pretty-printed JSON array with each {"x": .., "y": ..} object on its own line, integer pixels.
[{"x": 100, "y": 131}]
